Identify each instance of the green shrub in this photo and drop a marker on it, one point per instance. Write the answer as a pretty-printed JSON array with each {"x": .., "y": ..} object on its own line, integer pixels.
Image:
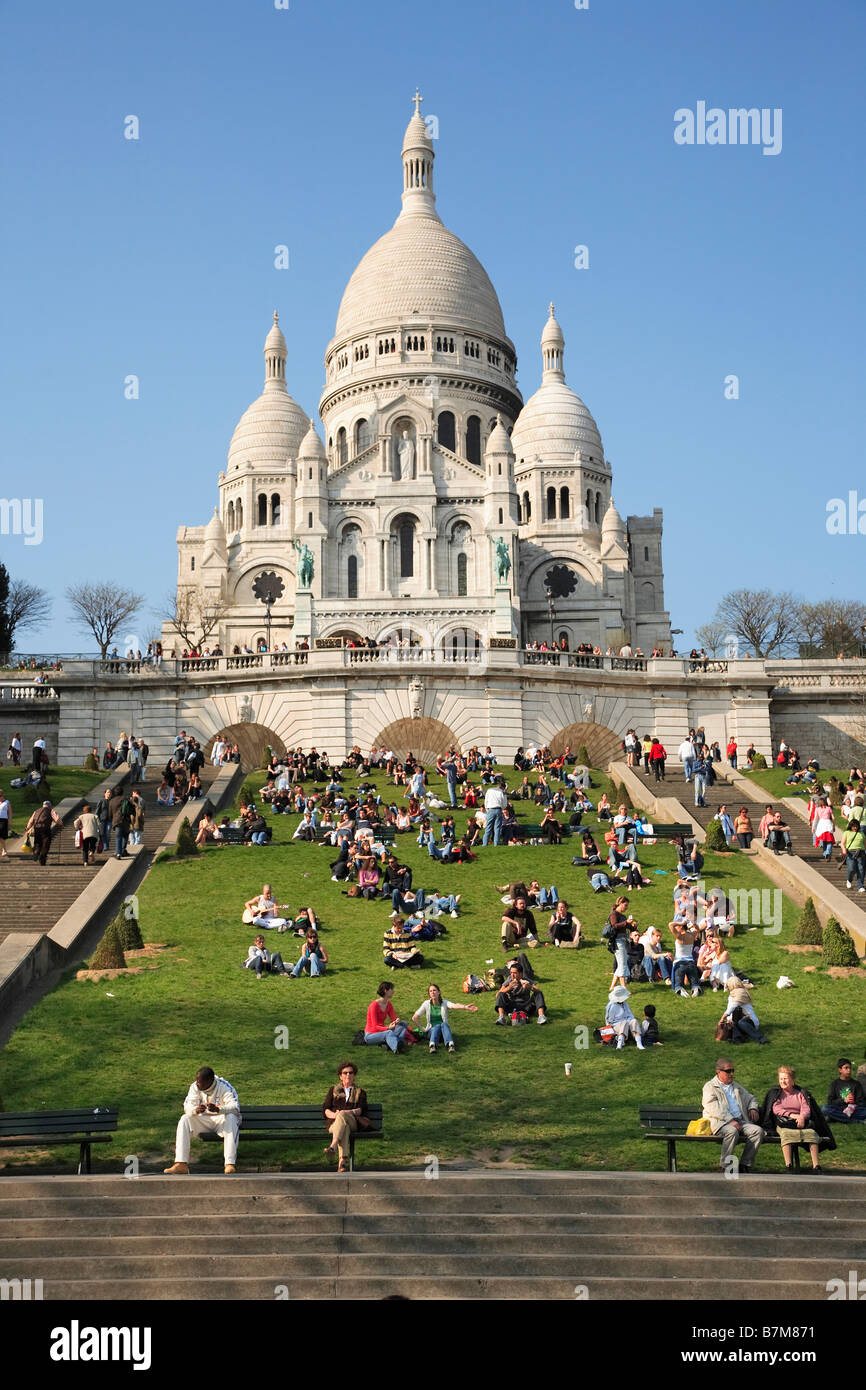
[
  {"x": 583, "y": 755},
  {"x": 266, "y": 757},
  {"x": 759, "y": 762},
  {"x": 808, "y": 931},
  {"x": 716, "y": 837},
  {"x": 186, "y": 844},
  {"x": 109, "y": 953},
  {"x": 91, "y": 764},
  {"x": 839, "y": 949},
  {"x": 128, "y": 931}
]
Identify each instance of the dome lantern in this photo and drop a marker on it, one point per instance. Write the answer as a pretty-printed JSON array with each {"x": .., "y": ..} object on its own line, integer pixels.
[
  {"x": 275, "y": 354},
  {"x": 419, "y": 199},
  {"x": 552, "y": 350}
]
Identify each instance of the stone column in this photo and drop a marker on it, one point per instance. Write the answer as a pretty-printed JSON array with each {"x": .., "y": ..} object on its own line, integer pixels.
[{"x": 384, "y": 455}]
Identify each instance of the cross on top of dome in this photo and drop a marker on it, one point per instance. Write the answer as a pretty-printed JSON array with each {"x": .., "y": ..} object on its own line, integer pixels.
[{"x": 417, "y": 98}]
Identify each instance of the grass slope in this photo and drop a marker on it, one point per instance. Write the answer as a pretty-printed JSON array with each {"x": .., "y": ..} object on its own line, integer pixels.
[
  {"x": 62, "y": 782},
  {"x": 138, "y": 1040},
  {"x": 773, "y": 780}
]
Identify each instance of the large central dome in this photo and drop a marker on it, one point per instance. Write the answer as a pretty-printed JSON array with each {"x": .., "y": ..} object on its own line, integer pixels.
[{"x": 419, "y": 267}]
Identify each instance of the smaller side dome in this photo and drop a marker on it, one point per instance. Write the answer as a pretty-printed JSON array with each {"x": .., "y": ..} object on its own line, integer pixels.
[
  {"x": 499, "y": 442},
  {"x": 311, "y": 446},
  {"x": 215, "y": 531},
  {"x": 612, "y": 523}
]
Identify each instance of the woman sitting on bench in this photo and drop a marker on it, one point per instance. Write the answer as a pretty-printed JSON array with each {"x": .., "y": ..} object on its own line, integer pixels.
[
  {"x": 345, "y": 1111},
  {"x": 796, "y": 1117}
]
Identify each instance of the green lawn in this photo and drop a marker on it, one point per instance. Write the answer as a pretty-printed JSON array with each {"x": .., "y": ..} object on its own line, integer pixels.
[
  {"x": 138, "y": 1040},
  {"x": 62, "y": 782},
  {"x": 772, "y": 779}
]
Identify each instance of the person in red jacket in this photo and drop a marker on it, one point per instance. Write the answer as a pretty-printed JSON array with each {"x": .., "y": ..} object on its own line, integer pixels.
[
  {"x": 658, "y": 755},
  {"x": 382, "y": 1024},
  {"x": 731, "y": 751}
]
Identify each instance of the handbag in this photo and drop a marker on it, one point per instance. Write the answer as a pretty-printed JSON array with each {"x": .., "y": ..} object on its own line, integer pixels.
[
  {"x": 702, "y": 1126},
  {"x": 27, "y": 844}
]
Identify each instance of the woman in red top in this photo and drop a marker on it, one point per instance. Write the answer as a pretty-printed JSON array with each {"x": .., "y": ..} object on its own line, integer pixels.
[
  {"x": 657, "y": 760},
  {"x": 383, "y": 1025},
  {"x": 731, "y": 751}
]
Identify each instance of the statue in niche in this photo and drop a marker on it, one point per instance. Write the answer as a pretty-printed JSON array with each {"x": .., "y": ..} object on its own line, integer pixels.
[
  {"x": 406, "y": 456},
  {"x": 305, "y": 565},
  {"x": 416, "y": 699},
  {"x": 503, "y": 561}
]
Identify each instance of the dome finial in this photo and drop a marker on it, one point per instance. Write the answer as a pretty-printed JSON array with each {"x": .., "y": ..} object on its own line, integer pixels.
[
  {"x": 276, "y": 317},
  {"x": 417, "y": 98},
  {"x": 551, "y": 310}
]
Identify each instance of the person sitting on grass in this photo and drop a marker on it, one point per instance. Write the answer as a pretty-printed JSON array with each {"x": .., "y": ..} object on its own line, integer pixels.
[
  {"x": 742, "y": 999},
  {"x": 655, "y": 957},
  {"x": 345, "y": 1112},
  {"x": 563, "y": 929},
  {"x": 589, "y": 853},
  {"x": 685, "y": 973},
  {"x": 262, "y": 961},
  {"x": 382, "y": 1024},
  {"x": 436, "y": 903},
  {"x": 536, "y": 896},
  {"x": 846, "y": 1098},
  {"x": 519, "y": 998},
  {"x": 649, "y": 1029},
  {"x": 368, "y": 877},
  {"x": 434, "y": 1015},
  {"x": 313, "y": 956},
  {"x": 398, "y": 951},
  {"x": 550, "y": 827},
  {"x": 265, "y": 912},
  {"x": 518, "y": 926},
  {"x": 796, "y": 1117},
  {"x": 619, "y": 1017}
]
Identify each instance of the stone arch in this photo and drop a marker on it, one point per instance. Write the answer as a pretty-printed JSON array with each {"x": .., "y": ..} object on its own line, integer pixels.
[
  {"x": 252, "y": 740},
  {"x": 424, "y": 737},
  {"x": 602, "y": 744}
]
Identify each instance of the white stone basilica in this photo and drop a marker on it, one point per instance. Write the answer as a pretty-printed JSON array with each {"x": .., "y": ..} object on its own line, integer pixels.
[{"x": 431, "y": 458}]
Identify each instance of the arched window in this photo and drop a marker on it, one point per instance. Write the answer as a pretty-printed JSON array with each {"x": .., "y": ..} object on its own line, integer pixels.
[
  {"x": 473, "y": 440},
  {"x": 597, "y": 508},
  {"x": 230, "y": 518},
  {"x": 551, "y": 504},
  {"x": 527, "y": 507},
  {"x": 362, "y": 436},
  {"x": 589, "y": 504},
  {"x": 275, "y": 509},
  {"x": 445, "y": 430},
  {"x": 462, "y": 568},
  {"x": 262, "y": 509},
  {"x": 309, "y": 521},
  {"x": 500, "y": 516},
  {"x": 239, "y": 514},
  {"x": 406, "y": 533},
  {"x": 342, "y": 446},
  {"x": 352, "y": 576},
  {"x": 564, "y": 509},
  {"x": 646, "y": 552}
]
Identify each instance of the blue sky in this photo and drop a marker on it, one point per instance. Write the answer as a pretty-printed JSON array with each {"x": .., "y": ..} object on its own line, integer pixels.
[{"x": 261, "y": 126}]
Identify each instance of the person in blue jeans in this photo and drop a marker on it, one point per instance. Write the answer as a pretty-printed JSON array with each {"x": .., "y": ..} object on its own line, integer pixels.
[
  {"x": 313, "y": 956},
  {"x": 495, "y": 801},
  {"x": 382, "y": 1024},
  {"x": 434, "y": 1014},
  {"x": 685, "y": 965},
  {"x": 699, "y": 772}
]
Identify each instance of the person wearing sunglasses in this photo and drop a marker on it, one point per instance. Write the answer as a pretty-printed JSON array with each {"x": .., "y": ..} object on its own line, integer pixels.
[
  {"x": 345, "y": 1109},
  {"x": 733, "y": 1113}
]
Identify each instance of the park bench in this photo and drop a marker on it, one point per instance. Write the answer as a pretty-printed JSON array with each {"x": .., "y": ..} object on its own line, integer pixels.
[
  {"x": 279, "y": 1123},
  {"x": 669, "y": 1123},
  {"x": 672, "y": 832},
  {"x": 37, "y": 1129}
]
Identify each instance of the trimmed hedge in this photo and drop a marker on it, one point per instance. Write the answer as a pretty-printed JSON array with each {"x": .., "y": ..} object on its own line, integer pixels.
[
  {"x": 839, "y": 949},
  {"x": 808, "y": 931}
]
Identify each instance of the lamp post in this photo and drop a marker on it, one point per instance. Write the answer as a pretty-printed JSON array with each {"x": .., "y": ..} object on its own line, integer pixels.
[
  {"x": 551, "y": 611},
  {"x": 675, "y": 632},
  {"x": 268, "y": 602}
]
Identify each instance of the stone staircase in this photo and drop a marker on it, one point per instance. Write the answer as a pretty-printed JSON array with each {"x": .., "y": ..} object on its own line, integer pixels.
[
  {"x": 33, "y": 898},
  {"x": 476, "y": 1235}
]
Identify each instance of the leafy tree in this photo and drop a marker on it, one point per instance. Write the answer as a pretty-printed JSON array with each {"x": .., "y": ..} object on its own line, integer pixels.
[
  {"x": 808, "y": 931},
  {"x": 766, "y": 622},
  {"x": 102, "y": 608}
]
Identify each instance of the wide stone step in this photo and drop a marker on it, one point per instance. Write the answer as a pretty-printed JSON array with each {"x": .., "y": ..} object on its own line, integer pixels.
[
  {"x": 449, "y": 1287},
  {"x": 586, "y": 1226},
  {"x": 578, "y": 1266},
  {"x": 708, "y": 1241}
]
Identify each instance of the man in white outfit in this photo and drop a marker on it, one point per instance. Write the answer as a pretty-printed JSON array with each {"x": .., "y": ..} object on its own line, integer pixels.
[
  {"x": 733, "y": 1113},
  {"x": 211, "y": 1106}
]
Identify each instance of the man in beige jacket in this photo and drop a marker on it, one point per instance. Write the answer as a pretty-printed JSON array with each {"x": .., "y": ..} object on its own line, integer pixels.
[{"x": 732, "y": 1112}]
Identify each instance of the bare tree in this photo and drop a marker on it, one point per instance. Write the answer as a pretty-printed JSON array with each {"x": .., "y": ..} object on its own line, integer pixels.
[
  {"x": 195, "y": 614},
  {"x": 26, "y": 606},
  {"x": 712, "y": 636},
  {"x": 102, "y": 608},
  {"x": 839, "y": 625},
  {"x": 767, "y": 622}
]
